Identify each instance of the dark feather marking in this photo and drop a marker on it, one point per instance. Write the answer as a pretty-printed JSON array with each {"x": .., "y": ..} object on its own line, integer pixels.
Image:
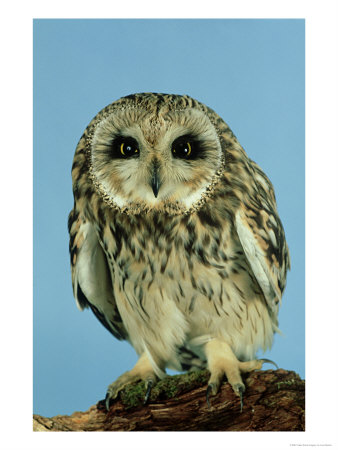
[
  {"x": 241, "y": 293},
  {"x": 124, "y": 278},
  {"x": 253, "y": 325},
  {"x": 75, "y": 164},
  {"x": 190, "y": 264},
  {"x": 257, "y": 310},
  {"x": 164, "y": 265},
  {"x": 101, "y": 216},
  {"x": 216, "y": 309},
  {"x": 215, "y": 252},
  {"x": 71, "y": 241},
  {"x": 201, "y": 256},
  {"x": 144, "y": 274},
  {"x": 88, "y": 193},
  {"x": 192, "y": 303},
  {"x": 223, "y": 274},
  {"x": 239, "y": 317},
  {"x": 203, "y": 290},
  {"x": 73, "y": 252},
  {"x": 210, "y": 293},
  {"x": 118, "y": 242},
  {"x": 81, "y": 298},
  {"x": 73, "y": 216},
  {"x": 193, "y": 281},
  {"x": 191, "y": 231},
  {"x": 181, "y": 290},
  {"x": 76, "y": 191},
  {"x": 223, "y": 255},
  {"x": 161, "y": 293},
  {"x": 152, "y": 268},
  {"x": 140, "y": 299},
  {"x": 206, "y": 240},
  {"x": 206, "y": 218}
]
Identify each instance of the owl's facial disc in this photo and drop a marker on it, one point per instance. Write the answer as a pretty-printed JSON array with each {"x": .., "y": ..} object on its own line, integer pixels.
[{"x": 144, "y": 162}]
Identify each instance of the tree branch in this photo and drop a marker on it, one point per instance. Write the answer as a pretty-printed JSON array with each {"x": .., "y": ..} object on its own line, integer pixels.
[{"x": 273, "y": 401}]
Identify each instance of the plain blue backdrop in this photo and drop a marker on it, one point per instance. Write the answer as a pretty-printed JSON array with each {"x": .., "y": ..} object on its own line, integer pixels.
[{"x": 251, "y": 72}]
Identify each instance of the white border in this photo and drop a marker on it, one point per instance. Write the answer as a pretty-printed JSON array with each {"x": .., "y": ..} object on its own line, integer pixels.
[{"x": 321, "y": 222}]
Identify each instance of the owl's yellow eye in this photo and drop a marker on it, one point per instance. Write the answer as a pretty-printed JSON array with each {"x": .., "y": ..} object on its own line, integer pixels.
[
  {"x": 128, "y": 149},
  {"x": 181, "y": 149},
  {"x": 125, "y": 147}
]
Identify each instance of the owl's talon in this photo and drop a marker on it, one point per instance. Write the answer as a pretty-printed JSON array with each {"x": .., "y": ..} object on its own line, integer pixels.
[
  {"x": 209, "y": 389},
  {"x": 241, "y": 389},
  {"x": 112, "y": 393},
  {"x": 107, "y": 401},
  {"x": 269, "y": 361},
  {"x": 149, "y": 386},
  {"x": 141, "y": 371}
]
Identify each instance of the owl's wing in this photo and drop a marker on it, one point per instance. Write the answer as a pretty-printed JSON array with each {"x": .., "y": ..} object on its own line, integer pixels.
[
  {"x": 261, "y": 234},
  {"x": 92, "y": 284}
]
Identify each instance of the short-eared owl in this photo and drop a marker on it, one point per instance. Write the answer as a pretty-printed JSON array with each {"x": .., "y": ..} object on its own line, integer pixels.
[{"x": 175, "y": 240}]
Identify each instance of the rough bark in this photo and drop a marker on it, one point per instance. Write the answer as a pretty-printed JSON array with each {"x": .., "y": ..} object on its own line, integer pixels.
[{"x": 273, "y": 401}]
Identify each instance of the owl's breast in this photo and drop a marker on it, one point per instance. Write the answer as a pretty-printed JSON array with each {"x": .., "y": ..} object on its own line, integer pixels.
[
  {"x": 185, "y": 283},
  {"x": 175, "y": 254}
]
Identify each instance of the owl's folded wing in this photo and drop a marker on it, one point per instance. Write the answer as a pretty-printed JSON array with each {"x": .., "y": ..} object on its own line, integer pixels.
[
  {"x": 262, "y": 237},
  {"x": 92, "y": 284}
]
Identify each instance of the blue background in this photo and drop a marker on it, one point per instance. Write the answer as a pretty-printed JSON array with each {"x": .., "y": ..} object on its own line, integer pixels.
[{"x": 251, "y": 72}]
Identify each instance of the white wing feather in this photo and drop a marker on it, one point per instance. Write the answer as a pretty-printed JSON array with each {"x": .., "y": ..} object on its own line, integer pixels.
[{"x": 257, "y": 260}]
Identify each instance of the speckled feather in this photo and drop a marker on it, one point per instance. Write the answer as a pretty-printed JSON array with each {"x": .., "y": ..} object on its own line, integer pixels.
[{"x": 170, "y": 276}]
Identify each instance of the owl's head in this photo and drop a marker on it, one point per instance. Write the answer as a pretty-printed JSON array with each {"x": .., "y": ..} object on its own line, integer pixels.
[{"x": 154, "y": 152}]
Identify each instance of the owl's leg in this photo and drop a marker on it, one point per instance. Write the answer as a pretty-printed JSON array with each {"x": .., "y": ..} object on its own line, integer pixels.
[
  {"x": 142, "y": 370},
  {"x": 222, "y": 361}
]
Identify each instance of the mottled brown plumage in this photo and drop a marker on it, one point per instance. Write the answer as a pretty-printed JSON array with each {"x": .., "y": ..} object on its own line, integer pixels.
[{"x": 175, "y": 240}]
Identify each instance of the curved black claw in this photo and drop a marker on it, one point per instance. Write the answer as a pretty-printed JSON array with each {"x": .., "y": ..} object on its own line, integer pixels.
[
  {"x": 107, "y": 401},
  {"x": 149, "y": 385},
  {"x": 241, "y": 389},
  {"x": 270, "y": 362},
  {"x": 209, "y": 389}
]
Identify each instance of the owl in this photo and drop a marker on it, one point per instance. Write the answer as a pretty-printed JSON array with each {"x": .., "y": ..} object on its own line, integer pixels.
[{"x": 175, "y": 240}]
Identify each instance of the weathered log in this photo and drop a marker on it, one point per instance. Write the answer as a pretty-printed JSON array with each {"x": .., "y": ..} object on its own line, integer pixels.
[{"x": 273, "y": 401}]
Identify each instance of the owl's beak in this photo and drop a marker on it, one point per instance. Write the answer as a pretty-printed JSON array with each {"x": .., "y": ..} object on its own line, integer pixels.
[
  {"x": 155, "y": 178},
  {"x": 155, "y": 182}
]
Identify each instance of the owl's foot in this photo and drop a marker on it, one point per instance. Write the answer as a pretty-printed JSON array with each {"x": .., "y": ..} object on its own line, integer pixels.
[
  {"x": 142, "y": 370},
  {"x": 222, "y": 361}
]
